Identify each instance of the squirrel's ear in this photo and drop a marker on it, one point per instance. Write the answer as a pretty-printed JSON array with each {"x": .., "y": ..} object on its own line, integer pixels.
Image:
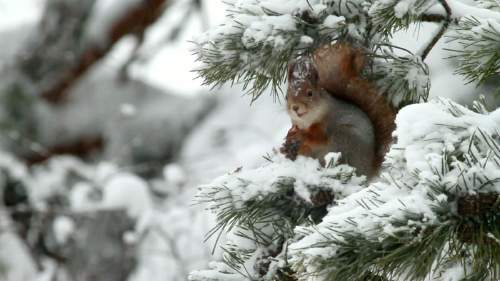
[{"x": 314, "y": 75}]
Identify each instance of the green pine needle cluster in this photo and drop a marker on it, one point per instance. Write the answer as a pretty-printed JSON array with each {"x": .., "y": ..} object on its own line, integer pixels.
[
  {"x": 282, "y": 210},
  {"x": 414, "y": 254},
  {"x": 259, "y": 65},
  {"x": 266, "y": 222},
  {"x": 395, "y": 74},
  {"x": 391, "y": 16},
  {"x": 229, "y": 53},
  {"x": 477, "y": 49}
]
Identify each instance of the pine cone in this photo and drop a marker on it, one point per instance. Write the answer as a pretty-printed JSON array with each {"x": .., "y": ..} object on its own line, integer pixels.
[
  {"x": 478, "y": 205},
  {"x": 472, "y": 207},
  {"x": 291, "y": 148},
  {"x": 322, "y": 198},
  {"x": 293, "y": 142}
]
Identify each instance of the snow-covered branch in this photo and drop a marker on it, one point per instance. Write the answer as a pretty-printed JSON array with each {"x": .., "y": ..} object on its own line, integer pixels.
[
  {"x": 259, "y": 209},
  {"x": 420, "y": 208}
]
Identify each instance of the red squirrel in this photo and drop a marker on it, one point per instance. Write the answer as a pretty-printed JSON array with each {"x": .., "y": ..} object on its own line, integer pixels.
[{"x": 334, "y": 109}]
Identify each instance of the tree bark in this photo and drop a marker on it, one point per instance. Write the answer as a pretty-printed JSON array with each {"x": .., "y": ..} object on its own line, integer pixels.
[{"x": 134, "y": 21}]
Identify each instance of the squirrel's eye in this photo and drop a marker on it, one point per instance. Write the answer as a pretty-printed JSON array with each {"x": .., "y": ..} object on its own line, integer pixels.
[{"x": 309, "y": 93}]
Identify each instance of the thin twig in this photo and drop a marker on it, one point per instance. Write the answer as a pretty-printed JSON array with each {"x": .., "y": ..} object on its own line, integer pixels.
[
  {"x": 444, "y": 26},
  {"x": 432, "y": 18}
]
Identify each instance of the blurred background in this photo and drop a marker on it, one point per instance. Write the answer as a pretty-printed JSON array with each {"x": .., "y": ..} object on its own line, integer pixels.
[{"x": 105, "y": 134}]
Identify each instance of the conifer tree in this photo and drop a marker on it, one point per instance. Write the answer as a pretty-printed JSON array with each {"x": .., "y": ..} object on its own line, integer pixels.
[{"x": 434, "y": 212}]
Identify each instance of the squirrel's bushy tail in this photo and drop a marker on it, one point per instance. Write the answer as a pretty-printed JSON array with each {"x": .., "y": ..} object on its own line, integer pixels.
[
  {"x": 339, "y": 68},
  {"x": 381, "y": 113}
]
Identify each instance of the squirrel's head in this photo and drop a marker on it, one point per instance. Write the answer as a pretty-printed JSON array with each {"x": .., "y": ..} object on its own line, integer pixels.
[{"x": 307, "y": 102}]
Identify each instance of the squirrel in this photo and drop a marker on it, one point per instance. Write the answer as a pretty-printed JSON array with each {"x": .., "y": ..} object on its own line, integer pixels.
[{"x": 334, "y": 109}]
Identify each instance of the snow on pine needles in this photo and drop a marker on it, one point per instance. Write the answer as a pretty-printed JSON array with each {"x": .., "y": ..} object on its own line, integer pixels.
[
  {"x": 259, "y": 209},
  {"x": 420, "y": 219},
  {"x": 415, "y": 219}
]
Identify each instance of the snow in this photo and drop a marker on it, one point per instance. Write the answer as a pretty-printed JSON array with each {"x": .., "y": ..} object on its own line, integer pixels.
[
  {"x": 306, "y": 40},
  {"x": 81, "y": 197},
  {"x": 63, "y": 228},
  {"x": 232, "y": 135},
  {"x": 12, "y": 165},
  {"x": 444, "y": 83},
  {"x": 281, "y": 6},
  {"x": 252, "y": 25},
  {"x": 128, "y": 192},
  {"x": 174, "y": 242},
  {"x": 19, "y": 12},
  {"x": 45, "y": 182},
  {"x": 15, "y": 258},
  {"x": 454, "y": 273},
  {"x": 333, "y": 21},
  {"x": 169, "y": 232},
  {"x": 402, "y": 8},
  {"x": 243, "y": 186},
  {"x": 265, "y": 28},
  {"x": 413, "y": 126},
  {"x": 417, "y": 78},
  {"x": 128, "y": 109},
  {"x": 460, "y": 9},
  {"x": 424, "y": 132},
  {"x": 246, "y": 185},
  {"x": 174, "y": 174}
]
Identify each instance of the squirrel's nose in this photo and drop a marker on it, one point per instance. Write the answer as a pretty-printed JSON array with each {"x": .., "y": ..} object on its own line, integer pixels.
[{"x": 295, "y": 108}]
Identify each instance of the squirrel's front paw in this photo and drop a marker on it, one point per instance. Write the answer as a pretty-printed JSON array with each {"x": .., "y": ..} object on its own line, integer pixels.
[{"x": 291, "y": 148}]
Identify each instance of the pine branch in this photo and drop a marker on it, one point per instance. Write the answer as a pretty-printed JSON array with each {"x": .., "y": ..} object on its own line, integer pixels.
[
  {"x": 478, "y": 49},
  {"x": 254, "y": 46},
  {"x": 391, "y": 16},
  {"x": 415, "y": 239},
  {"x": 403, "y": 79},
  {"x": 432, "y": 18},
  {"x": 265, "y": 214},
  {"x": 442, "y": 30}
]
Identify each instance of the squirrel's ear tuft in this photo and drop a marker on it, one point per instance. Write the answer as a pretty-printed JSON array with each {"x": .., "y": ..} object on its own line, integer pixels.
[
  {"x": 314, "y": 75},
  {"x": 291, "y": 66},
  {"x": 303, "y": 69}
]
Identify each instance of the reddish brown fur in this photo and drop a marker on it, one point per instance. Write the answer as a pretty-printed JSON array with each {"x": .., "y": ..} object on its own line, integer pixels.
[
  {"x": 311, "y": 137},
  {"x": 308, "y": 140}
]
